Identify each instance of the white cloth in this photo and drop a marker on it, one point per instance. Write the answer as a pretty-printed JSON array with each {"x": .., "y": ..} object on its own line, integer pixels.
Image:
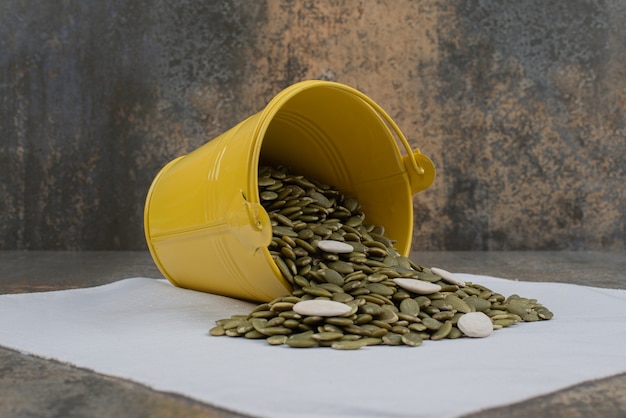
[{"x": 149, "y": 331}]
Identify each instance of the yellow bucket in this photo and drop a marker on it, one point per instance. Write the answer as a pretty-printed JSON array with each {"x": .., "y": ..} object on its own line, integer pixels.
[{"x": 204, "y": 224}]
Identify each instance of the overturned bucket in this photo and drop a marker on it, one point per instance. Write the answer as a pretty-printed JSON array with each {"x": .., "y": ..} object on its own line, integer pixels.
[{"x": 204, "y": 224}]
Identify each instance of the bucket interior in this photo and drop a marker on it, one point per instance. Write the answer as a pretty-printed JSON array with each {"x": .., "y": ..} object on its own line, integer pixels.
[{"x": 331, "y": 135}]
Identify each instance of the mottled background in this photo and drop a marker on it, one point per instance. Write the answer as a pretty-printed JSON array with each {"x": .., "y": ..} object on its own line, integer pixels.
[{"x": 520, "y": 104}]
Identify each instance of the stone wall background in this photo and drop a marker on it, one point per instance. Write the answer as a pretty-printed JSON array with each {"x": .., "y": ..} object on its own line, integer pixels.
[{"x": 521, "y": 105}]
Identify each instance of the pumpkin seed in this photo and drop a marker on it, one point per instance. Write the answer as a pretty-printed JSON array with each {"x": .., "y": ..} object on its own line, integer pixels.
[
  {"x": 332, "y": 276},
  {"x": 444, "y": 315},
  {"x": 442, "y": 332},
  {"x": 349, "y": 345},
  {"x": 410, "y": 307},
  {"x": 411, "y": 339},
  {"x": 301, "y": 341},
  {"x": 342, "y": 297},
  {"x": 417, "y": 326},
  {"x": 217, "y": 331},
  {"x": 327, "y": 336},
  {"x": 254, "y": 335},
  {"x": 457, "y": 303},
  {"x": 275, "y": 331},
  {"x": 392, "y": 339},
  {"x": 342, "y": 322},
  {"x": 276, "y": 339},
  {"x": 455, "y": 333}
]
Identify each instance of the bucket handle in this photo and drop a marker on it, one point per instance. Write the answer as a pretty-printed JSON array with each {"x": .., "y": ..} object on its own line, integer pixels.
[
  {"x": 419, "y": 167},
  {"x": 250, "y": 222}
]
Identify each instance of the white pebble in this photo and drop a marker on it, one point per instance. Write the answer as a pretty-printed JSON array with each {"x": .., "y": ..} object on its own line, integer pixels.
[
  {"x": 418, "y": 286},
  {"x": 475, "y": 324},
  {"x": 447, "y": 276},
  {"x": 321, "y": 307},
  {"x": 336, "y": 247}
]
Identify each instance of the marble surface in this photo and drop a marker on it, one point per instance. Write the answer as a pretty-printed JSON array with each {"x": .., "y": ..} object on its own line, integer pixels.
[
  {"x": 63, "y": 390},
  {"x": 521, "y": 106}
]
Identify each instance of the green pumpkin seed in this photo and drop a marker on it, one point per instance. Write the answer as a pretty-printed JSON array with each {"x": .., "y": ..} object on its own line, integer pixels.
[
  {"x": 531, "y": 317},
  {"x": 276, "y": 339},
  {"x": 381, "y": 324},
  {"x": 354, "y": 221},
  {"x": 348, "y": 345},
  {"x": 331, "y": 275},
  {"x": 275, "y": 331},
  {"x": 410, "y": 307},
  {"x": 392, "y": 339},
  {"x": 291, "y": 323},
  {"x": 398, "y": 329},
  {"x": 367, "y": 341},
  {"x": 342, "y": 267},
  {"x": 339, "y": 321},
  {"x": 379, "y": 299},
  {"x": 409, "y": 319},
  {"x": 544, "y": 313},
  {"x": 517, "y": 307},
  {"x": 351, "y": 204},
  {"x": 357, "y": 330},
  {"x": 284, "y": 269},
  {"x": 417, "y": 326},
  {"x": 266, "y": 181},
  {"x": 312, "y": 320},
  {"x": 317, "y": 291},
  {"x": 327, "y": 336},
  {"x": 363, "y": 319},
  {"x": 371, "y": 309},
  {"x": 280, "y": 231},
  {"x": 301, "y": 342},
  {"x": 217, "y": 331},
  {"x": 388, "y": 316},
  {"x": 411, "y": 339},
  {"x": 454, "y": 333},
  {"x": 477, "y": 304},
  {"x": 269, "y": 195},
  {"x": 444, "y": 315},
  {"x": 342, "y": 297},
  {"x": 245, "y": 327},
  {"x": 288, "y": 253},
  {"x": 233, "y": 324},
  {"x": 232, "y": 333},
  {"x": 378, "y": 332},
  {"x": 254, "y": 335},
  {"x": 423, "y": 301},
  {"x": 275, "y": 322},
  {"x": 431, "y": 323},
  {"x": 381, "y": 289},
  {"x": 442, "y": 332},
  {"x": 504, "y": 322},
  {"x": 258, "y": 323}
]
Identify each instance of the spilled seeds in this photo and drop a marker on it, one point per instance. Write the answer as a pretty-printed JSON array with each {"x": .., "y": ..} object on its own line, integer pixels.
[{"x": 350, "y": 286}]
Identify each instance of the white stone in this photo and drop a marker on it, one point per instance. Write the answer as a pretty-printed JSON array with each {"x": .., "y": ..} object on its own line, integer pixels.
[
  {"x": 475, "y": 324},
  {"x": 447, "y": 276},
  {"x": 321, "y": 307},
  {"x": 336, "y": 247},
  {"x": 417, "y": 286}
]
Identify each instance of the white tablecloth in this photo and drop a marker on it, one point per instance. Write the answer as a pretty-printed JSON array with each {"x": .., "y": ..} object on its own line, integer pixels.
[{"x": 149, "y": 331}]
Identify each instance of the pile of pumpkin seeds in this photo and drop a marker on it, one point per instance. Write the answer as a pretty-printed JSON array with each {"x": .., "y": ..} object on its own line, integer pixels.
[{"x": 350, "y": 286}]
